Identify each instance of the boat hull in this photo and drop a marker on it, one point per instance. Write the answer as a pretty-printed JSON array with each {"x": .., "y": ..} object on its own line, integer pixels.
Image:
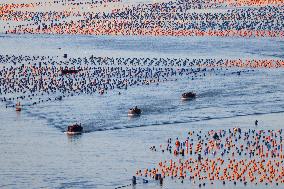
[
  {"x": 133, "y": 114},
  {"x": 74, "y": 129},
  {"x": 73, "y": 133},
  {"x": 187, "y": 98}
]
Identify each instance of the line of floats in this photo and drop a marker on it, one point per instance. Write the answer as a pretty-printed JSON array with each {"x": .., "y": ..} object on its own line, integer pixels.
[{"x": 132, "y": 112}]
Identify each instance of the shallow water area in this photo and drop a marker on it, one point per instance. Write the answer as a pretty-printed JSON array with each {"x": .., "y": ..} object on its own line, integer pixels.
[
  {"x": 143, "y": 46},
  {"x": 40, "y": 156}
]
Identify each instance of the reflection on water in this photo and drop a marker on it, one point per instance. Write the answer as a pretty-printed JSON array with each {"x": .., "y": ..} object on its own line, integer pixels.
[
  {"x": 18, "y": 114},
  {"x": 74, "y": 138}
]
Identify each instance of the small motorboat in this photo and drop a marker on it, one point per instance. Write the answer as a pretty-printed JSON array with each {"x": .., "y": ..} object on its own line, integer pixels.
[
  {"x": 18, "y": 107},
  {"x": 71, "y": 71},
  {"x": 134, "y": 111},
  {"x": 74, "y": 129},
  {"x": 58, "y": 98},
  {"x": 188, "y": 96}
]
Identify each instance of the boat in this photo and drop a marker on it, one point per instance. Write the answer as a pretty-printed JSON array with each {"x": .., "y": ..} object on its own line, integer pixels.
[
  {"x": 134, "y": 111},
  {"x": 188, "y": 96},
  {"x": 18, "y": 107},
  {"x": 74, "y": 129},
  {"x": 71, "y": 71}
]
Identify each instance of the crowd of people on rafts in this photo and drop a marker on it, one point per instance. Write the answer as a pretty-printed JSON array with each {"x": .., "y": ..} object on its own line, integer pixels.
[
  {"x": 232, "y": 156},
  {"x": 176, "y": 18},
  {"x": 37, "y": 79}
]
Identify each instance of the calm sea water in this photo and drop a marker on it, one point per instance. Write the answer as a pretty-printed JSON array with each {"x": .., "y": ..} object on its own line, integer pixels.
[{"x": 35, "y": 152}]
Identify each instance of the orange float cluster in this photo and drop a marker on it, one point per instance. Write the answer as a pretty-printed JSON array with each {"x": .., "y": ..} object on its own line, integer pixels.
[
  {"x": 250, "y": 157},
  {"x": 254, "y": 2},
  {"x": 253, "y": 63}
]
